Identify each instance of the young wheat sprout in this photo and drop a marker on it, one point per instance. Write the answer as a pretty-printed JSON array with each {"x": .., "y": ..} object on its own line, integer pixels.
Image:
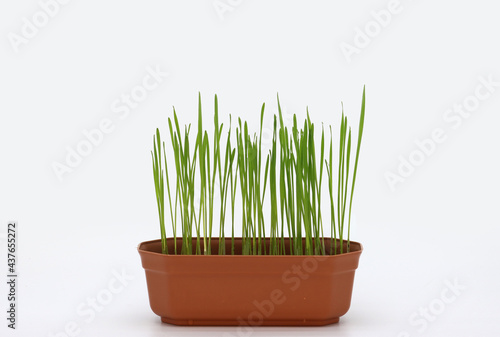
[{"x": 290, "y": 171}]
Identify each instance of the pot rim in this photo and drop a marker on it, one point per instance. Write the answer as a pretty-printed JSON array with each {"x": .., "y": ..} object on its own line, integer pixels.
[{"x": 145, "y": 251}]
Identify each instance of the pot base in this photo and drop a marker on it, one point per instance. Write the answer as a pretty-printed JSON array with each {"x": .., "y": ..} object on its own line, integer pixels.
[{"x": 260, "y": 323}]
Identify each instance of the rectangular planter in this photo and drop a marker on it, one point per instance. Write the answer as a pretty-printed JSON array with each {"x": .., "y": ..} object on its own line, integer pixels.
[{"x": 248, "y": 289}]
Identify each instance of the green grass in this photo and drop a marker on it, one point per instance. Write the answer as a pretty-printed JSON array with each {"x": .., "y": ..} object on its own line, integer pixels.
[{"x": 212, "y": 173}]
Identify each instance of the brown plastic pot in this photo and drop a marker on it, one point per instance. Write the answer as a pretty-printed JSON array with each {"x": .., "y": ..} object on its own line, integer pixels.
[{"x": 248, "y": 289}]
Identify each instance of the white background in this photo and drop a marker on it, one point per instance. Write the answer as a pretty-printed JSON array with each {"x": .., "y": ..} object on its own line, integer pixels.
[{"x": 439, "y": 225}]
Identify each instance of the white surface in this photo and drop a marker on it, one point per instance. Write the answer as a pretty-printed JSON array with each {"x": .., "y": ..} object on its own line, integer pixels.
[{"x": 440, "y": 224}]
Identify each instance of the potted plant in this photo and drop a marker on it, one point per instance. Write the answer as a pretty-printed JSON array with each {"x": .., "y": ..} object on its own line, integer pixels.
[{"x": 283, "y": 270}]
